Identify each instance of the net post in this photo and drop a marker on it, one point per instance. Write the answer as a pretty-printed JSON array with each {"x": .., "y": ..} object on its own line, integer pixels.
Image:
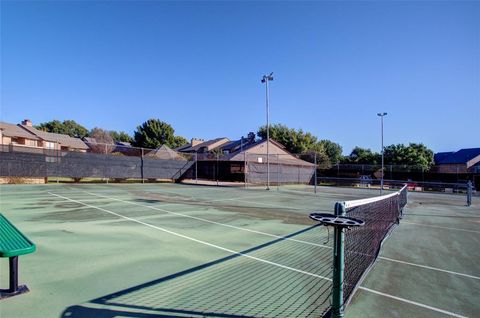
[
  {"x": 338, "y": 265},
  {"x": 469, "y": 193}
]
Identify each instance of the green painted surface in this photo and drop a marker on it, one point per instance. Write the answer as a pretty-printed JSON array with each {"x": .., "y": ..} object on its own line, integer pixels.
[
  {"x": 12, "y": 241},
  {"x": 91, "y": 263}
]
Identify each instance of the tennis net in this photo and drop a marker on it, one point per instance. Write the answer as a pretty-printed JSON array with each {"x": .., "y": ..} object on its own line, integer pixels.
[{"x": 362, "y": 244}]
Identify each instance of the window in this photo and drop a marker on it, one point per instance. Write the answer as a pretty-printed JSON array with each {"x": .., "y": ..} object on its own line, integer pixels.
[
  {"x": 49, "y": 145},
  {"x": 32, "y": 143}
]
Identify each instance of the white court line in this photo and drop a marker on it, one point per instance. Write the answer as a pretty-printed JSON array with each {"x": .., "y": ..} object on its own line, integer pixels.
[
  {"x": 256, "y": 258},
  {"x": 440, "y": 227},
  {"x": 428, "y": 267},
  {"x": 193, "y": 239},
  {"x": 209, "y": 201},
  {"x": 412, "y": 302},
  {"x": 202, "y": 219},
  {"x": 275, "y": 236}
]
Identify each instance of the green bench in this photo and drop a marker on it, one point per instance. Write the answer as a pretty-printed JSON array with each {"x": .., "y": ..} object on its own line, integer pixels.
[{"x": 12, "y": 244}]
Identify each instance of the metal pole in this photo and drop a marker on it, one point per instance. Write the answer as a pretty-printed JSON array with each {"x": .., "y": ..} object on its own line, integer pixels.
[
  {"x": 469, "y": 193},
  {"x": 338, "y": 266},
  {"x": 196, "y": 168},
  {"x": 278, "y": 171},
  {"x": 244, "y": 169},
  {"x": 381, "y": 181},
  {"x": 13, "y": 264},
  {"x": 381, "y": 184},
  {"x": 142, "y": 171},
  {"x": 268, "y": 135},
  {"x": 315, "y": 172},
  {"x": 216, "y": 172},
  {"x": 106, "y": 163}
]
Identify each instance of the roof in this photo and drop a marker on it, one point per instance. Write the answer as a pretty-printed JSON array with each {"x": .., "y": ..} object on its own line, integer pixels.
[
  {"x": 461, "y": 156},
  {"x": 63, "y": 140},
  {"x": 438, "y": 157},
  {"x": 12, "y": 130},
  {"x": 286, "y": 159},
  {"x": 123, "y": 143},
  {"x": 165, "y": 152},
  {"x": 209, "y": 144}
]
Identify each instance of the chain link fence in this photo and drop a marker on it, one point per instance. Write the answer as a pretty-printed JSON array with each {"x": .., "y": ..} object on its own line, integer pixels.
[
  {"x": 117, "y": 163},
  {"x": 109, "y": 162}
]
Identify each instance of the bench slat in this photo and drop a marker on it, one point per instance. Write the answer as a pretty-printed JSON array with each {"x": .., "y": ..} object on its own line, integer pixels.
[{"x": 12, "y": 241}]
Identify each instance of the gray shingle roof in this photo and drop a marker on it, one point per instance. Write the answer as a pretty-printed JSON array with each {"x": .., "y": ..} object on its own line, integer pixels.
[
  {"x": 11, "y": 130},
  {"x": 207, "y": 144},
  {"x": 63, "y": 140}
]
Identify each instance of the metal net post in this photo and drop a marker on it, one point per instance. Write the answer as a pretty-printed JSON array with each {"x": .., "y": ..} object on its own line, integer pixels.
[{"x": 338, "y": 265}]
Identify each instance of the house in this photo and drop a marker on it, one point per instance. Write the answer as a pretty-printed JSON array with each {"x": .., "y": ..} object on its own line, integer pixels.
[
  {"x": 164, "y": 152},
  {"x": 55, "y": 141},
  {"x": 459, "y": 162},
  {"x": 25, "y": 135},
  {"x": 245, "y": 160},
  {"x": 201, "y": 146},
  {"x": 14, "y": 135}
]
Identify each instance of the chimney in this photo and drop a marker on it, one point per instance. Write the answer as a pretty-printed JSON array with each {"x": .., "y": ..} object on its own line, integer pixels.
[
  {"x": 27, "y": 122},
  {"x": 196, "y": 141}
]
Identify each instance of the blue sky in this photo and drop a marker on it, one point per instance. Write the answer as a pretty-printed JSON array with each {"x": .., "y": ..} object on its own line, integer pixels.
[{"x": 198, "y": 65}]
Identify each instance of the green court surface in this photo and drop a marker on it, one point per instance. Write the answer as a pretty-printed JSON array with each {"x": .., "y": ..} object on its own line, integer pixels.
[{"x": 172, "y": 250}]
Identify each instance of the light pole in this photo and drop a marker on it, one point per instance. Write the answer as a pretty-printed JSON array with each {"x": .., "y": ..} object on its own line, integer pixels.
[
  {"x": 266, "y": 79},
  {"x": 381, "y": 115}
]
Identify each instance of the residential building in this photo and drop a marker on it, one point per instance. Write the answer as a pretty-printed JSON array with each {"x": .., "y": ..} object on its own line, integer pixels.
[
  {"x": 201, "y": 146},
  {"x": 15, "y": 135},
  {"x": 55, "y": 141},
  {"x": 459, "y": 162}
]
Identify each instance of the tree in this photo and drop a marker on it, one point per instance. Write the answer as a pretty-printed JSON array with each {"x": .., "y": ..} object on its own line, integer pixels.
[
  {"x": 413, "y": 155},
  {"x": 179, "y": 141},
  {"x": 153, "y": 133},
  {"x": 105, "y": 142},
  {"x": 67, "y": 127},
  {"x": 361, "y": 155},
  {"x": 121, "y": 136},
  {"x": 332, "y": 150},
  {"x": 298, "y": 141},
  {"x": 294, "y": 141}
]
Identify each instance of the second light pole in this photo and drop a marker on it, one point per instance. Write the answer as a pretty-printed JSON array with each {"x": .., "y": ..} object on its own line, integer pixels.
[
  {"x": 381, "y": 182},
  {"x": 266, "y": 79}
]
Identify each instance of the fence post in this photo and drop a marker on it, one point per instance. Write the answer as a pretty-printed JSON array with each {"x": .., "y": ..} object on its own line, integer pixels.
[
  {"x": 196, "y": 168},
  {"x": 315, "y": 172},
  {"x": 469, "y": 193},
  {"x": 244, "y": 169},
  {"x": 216, "y": 172},
  {"x": 106, "y": 164},
  {"x": 57, "y": 165},
  {"x": 141, "y": 166},
  {"x": 278, "y": 172}
]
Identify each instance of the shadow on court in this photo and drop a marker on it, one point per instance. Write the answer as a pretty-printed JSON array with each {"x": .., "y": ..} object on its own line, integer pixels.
[{"x": 280, "y": 278}]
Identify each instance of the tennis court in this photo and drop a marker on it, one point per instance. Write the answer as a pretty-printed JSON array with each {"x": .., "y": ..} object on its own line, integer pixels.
[{"x": 173, "y": 250}]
